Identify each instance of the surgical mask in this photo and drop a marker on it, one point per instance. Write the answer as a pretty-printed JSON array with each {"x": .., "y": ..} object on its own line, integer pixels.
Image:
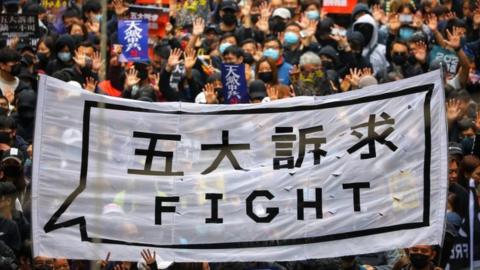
[
  {"x": 290, "y": 38},
  {"x": 313, "y": 15},
  {"x": 98, "y": 17},
  {"x": 405, "y": 33},
  {"x": 224, "y": 46},
  {"x": 419, "y": 261},
  {"x": 64, "y": 56},
  {"x": 271, "y": 53}
]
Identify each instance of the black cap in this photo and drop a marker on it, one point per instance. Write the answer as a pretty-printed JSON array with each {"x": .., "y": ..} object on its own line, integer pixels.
[
  {"x": 7, "y": 188},
  {"x": 212, "y": 27},
  {"x": 455, "y": 148},
  {"x": 257, "y": 89},
  {"x": 229, "y": 5}
]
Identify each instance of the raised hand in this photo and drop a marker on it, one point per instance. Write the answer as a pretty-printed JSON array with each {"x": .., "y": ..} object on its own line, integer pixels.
[
  {"x": 453, "y": 110},
  {"x": 294, "y": 73},
  {"x": 148, "y": 256},
  {"x": 355, "y": 75},
  {"x": 90, "y": 84},
  {"x": 104, "y": 263},
  {"x": 80, "y": 59},
  {"x": 378, "y": 13},
  {"x": 394, "y": 23},
  {"x": 247, "y": 8},
  {"x": 272, "y": 92},
  {"x": 131, "y": 77},
  {"x": 420, "y": 51},
  {"x": 97, "y": 61},
  {"x": 156, "y": 82},
  {"x": 210, "y": 94},
  {"x": 311, "y": 28},
  {"x": 432, "y": 22},
  {"x": 265, "y": 9},
  {"x": 340, "y": 39},
  {"x": 366, "y": 72},
  {"x": 190, "y": 58},
  {"x": 93, "y": 27},
  {"x": 262, "y": 24},
  {"x": 173, "y": 59},
  {"x": 198, "y": 26},
  {"x": 453, "y": 38}
]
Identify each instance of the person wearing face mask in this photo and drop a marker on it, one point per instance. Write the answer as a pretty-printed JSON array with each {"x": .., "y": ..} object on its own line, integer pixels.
[
  {"x": 266, "y": 71},
  {"x": 311, "y": 10},
  {"x": 373, "y": 51},
  {"x": 92, "y": 11},
  {"x": 401, "y": 60},
  {"x": 420, "y": 258},
  {"x": 350, "y": 50},
  {"x": 311, "y": 80},
  {"x": 10, "y": 68},
  {"x": 278, "y": 21},
  {"x": 295, "y": 43},
  {"x": 64, "y": 47},
  {"x": 329, "y": 57},
  {"x": 272, "y": 48}
]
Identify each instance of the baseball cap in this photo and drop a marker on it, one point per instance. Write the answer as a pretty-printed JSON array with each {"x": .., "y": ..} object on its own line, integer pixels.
[
  {"x": 13, "y": 154},
  {"x": 229, "y": 5},
  {"x": 282, "y": 13},
  {"x": 455, "y": 148}
]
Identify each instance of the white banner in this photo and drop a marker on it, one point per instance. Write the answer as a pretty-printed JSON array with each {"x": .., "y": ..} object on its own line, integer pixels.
[{"x": 306, "y": 177}]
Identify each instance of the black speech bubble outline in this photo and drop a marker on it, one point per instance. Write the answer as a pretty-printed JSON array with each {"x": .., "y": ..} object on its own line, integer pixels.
[{"x": 52, "y": 224}]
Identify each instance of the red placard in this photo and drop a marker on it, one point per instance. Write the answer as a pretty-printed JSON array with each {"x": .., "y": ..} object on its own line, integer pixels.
[{"x": 339, "y": 6}]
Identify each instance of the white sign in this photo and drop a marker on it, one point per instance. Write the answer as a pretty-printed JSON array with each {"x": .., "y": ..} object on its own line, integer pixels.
[{"x": 306, "y": 177}]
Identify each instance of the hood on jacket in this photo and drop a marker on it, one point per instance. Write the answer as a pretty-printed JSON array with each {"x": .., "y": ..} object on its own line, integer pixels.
[{"x": 369, "y": 29}]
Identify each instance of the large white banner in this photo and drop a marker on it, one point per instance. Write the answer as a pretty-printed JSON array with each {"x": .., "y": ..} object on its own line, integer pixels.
[{"x": 306, "y": 177}]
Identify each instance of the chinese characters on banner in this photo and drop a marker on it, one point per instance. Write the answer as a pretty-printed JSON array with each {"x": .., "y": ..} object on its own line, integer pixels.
[
  {"x": 306, "y": 177},
  {"x": 133, "y": 35},
  {"x": 339, "y": 6},
  {"x": 234, "y": 84},
  {"x": 23, "y": 26}
]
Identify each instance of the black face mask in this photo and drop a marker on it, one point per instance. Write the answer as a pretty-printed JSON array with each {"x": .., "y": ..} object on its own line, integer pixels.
[
  {"x": 399, "y": 59},
  {"x": 266, "y": 77},
  {"x": 5, "y": 137},
  {"x": 229, "y": 18},
  {"x": 248, "y": 58},
  {"x": 277, "y": 25},
  {"x": 12, "y": 171},
  {"x": 255, "y": 18},
  {"x": 419, "y": 261},
  {"x": 42, "y": 59},
  {"x": 15, "y": 70},
  {"x": 327, "y": 65}
]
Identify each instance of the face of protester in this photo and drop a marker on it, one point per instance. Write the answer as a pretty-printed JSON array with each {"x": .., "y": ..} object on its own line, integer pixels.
[
  {"x": 291, "y": 35},
  {"x": 249, "y": 48},
  {"x": 39, "y": 261},
  {"x": 476, "y": 175},
  {"x": 312, "y": 12},
  {"x": 42, "y": 48},
  {"x": 468, "y": 133},
  {"x": 232, "y": 59},
  {"x": 76, "y": 30},
  {"x": 420, "y": 256},
  {"x": 399, "y": 54},
  {"x": 453, "y": 171},
  {"x": 87, "y": 51},
  {"x": 292, "y": 6},
  {"x": 272, "y": 49},
  {"x": 10, "y": 68},
  {"x": 467, "y": 12},
  {"x": 265, "y": 72},
  {"x": 61, "y": 264}
]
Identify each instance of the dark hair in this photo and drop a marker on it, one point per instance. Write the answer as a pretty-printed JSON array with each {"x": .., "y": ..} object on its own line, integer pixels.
[
  {"x": 463, "y": 95},
  {"x": 248, "y": 41},
  {"x": 405, "y": 5},
  {"x": 272, "y": 65},
  {"x": 308, "y": 3},
  {"x": 91, "y": 6},
  {"x": 7, "y": 122},
  {"x": 71, "y": 13},
  {"x": 9, "y": 55},
  {"x": 49, "y": 41},
  {"x": 467, "y": 167},
  {"x": 235, "y": 50},
  {"x": 84, "y": 29},
  {"x": 227, "y": 35},
  {"x": 294, "y": 24},
  {"x": 272, "y": 38}
]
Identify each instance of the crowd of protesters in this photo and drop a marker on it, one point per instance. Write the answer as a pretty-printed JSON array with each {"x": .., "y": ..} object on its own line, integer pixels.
[{"x": 288, "y": 47}]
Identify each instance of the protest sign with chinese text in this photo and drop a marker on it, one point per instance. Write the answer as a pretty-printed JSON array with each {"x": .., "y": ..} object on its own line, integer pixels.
[
  {"x": 133, "y": 35},
  {"x": 299, "y": 178}
]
